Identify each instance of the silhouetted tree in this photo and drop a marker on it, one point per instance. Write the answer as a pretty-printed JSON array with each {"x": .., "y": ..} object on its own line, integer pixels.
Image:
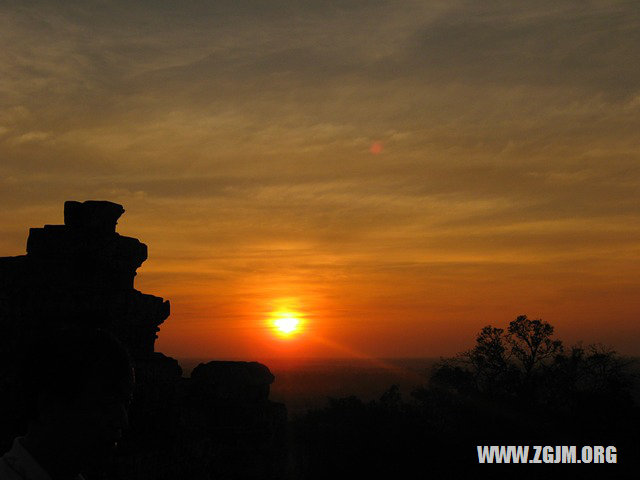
[
  {"x": 530, "y": 342},
  {"x": 587, "y": 377},
  {"x": 502, "y": 363},
  {"x": 450, "y": 375},
  {"x": 489, "y": 360},
  {"x": 391, "y": 398}
]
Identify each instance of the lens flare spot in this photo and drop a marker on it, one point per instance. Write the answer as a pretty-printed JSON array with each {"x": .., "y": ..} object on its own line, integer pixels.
[{"x": 376, "y": 148}]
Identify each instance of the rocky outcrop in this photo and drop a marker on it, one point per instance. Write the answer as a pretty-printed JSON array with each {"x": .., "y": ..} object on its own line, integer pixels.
[
  {"x": 227, "y": 403},
  {"x": 234, "y": 381}
]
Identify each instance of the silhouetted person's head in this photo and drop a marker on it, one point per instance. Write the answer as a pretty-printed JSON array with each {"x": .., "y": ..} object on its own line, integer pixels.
[{"x": 79, "y": 384}]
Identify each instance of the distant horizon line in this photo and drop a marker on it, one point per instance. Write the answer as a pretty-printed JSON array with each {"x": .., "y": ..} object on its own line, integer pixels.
[
  {"x": 204, "y": 359},
  {"x": 223, "y": 359}
]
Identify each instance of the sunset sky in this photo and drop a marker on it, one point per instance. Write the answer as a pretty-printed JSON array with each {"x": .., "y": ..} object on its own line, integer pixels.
[{"x": 396, "y": 174}]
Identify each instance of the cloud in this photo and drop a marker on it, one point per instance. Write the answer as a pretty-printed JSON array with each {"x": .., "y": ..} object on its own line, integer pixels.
[
  {"x": 542, "y": 43},
  {"x": 32, "y": 137}
]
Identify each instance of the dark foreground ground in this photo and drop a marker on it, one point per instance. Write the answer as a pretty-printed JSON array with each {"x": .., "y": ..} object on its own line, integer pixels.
[
  {"x": 303, "y": 384},
  {"x": 376, "y": 419}
]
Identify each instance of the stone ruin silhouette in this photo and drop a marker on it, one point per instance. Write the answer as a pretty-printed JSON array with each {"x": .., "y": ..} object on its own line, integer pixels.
[{"x": 219, "y": 423}]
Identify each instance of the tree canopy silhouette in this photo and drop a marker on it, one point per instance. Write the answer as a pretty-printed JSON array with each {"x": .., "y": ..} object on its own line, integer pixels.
[
  {"x": 531, "y": 343},
  {"x": 525, "y": 363}
]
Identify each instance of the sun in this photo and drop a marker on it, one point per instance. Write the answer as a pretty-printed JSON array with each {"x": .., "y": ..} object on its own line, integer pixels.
[{"x": 285, "y": 324}]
